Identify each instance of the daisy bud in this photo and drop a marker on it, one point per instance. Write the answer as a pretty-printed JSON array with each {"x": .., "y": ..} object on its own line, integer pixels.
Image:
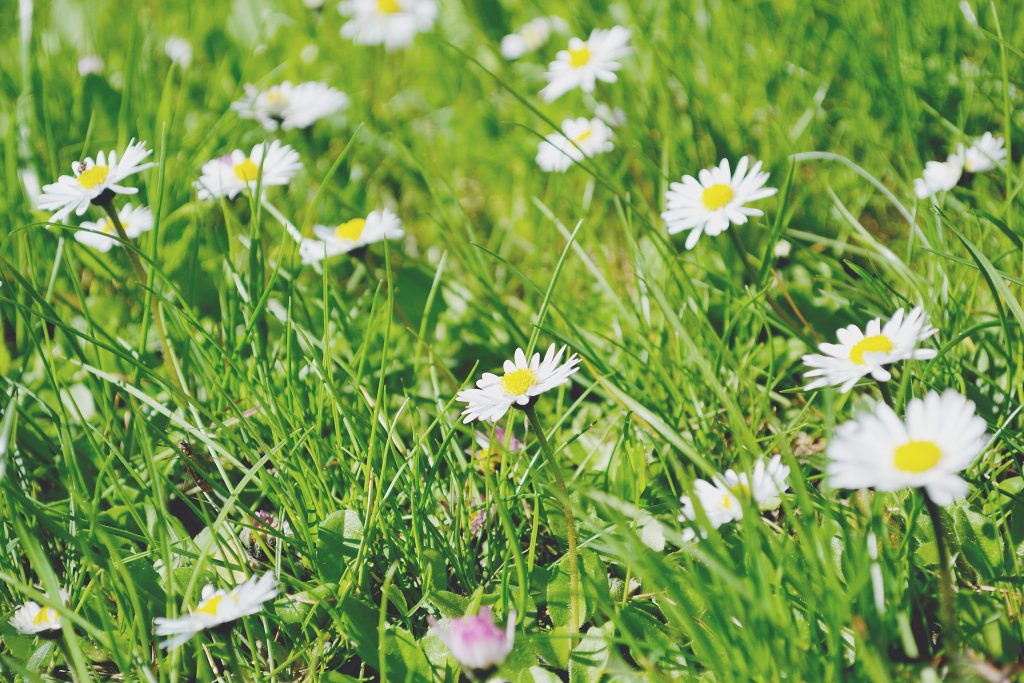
[{"x": 475, "y": 642}]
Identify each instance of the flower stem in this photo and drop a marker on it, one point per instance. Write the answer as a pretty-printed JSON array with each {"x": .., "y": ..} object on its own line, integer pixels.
[
  {"x": 947, "y": 614},
  {"x": 570, "y": 523},
  {"x": 140, "y": 274}
]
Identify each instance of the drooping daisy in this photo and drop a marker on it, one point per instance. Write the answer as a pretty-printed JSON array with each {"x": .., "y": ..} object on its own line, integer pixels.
[
  {"x": 521, "y": 382},
  {"x": 101, "y": 235},
  {"x": 179, "y": 51},
  {"x": 391, "y": 23},
  {"x": 531, "y": 36},
  {"x": 722, "y": 498},
  {"x": 31, "y": 618},
  {"x": 358, "y": 232},
  {"x": 939, "y": 176},
  {"x": 715, "y": 199},
  {"x": 94, "y": 181},
  {"x": 580, "y": 139},
  {"x": 940, "y": 437},
  {"x": 290, "y": 106},
  {"x": 475, "y": 642},
  {"x": 231, "y": 174},
  {"x": 217, "y": 607},
  {"x": 861, "y": 353},
  {"x": 986, "y": 153},
  {"x": 587, "y": 61}
]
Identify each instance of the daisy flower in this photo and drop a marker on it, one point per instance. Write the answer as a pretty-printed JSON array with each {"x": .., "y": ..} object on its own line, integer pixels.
[
  {"x": 90, "y": 64},
  {"x": 31, "y": 618},
  {"x": 358, "y": 232},
  {"x": 290, "y": 106},
  {"x": 939, "y": 176},
  {"x": 475, "y": 642},
  {"x": 861, "y": 353},
  {"x": 391, "y": 23},
  {"x": 587, "y": 61},
  {"x": 520, "y": 383},
  {"x": 179, "y": 51},
  {"x": 722, "y": 498},
  {"x": 231, "y": 174},
  {"x": 531, "y": 36},
  {"x": 101, "y": 235},
  {"x": 217, "y": 607},
  {"x": 986, "y": 153},
  {"x": 580, "y": 139},
  {"x": 940, "y": 437},
  {"x": 94, "y": 181},
  {"x": 715, "y": 199}
]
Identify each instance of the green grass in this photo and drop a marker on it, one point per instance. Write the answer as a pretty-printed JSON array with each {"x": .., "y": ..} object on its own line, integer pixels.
[{"x": 327, "y": 397}]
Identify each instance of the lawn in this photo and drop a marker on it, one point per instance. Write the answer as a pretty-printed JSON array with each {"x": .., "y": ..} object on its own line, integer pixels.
[{"x": 272, "y": 279}]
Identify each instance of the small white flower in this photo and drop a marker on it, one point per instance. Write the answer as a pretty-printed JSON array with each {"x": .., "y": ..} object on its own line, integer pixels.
[
  {"x": 231, "y": 174},
  {"x": 722, "y": 498},
  {"x": 940, "y": 437},
  {"x": 179, "y": 51},
  {"x": 531, "y": 36},
  {"x": 218, "y": 606},
  {"x": 290, "y": 106},
  {"x": 521, "y": 381},
  {"x": 587, "y": 61},
  {"x": 475, "y": 642},
  {"x": 861, "y": 353},
  {"x": 101, "y": 235},
  {"x": 391, "y": 23},
  {"x": 986, "y": 153},
  {"x": 613, "y": 116},
  {"x": 92, "y": 179},
  {"x": 90, "y": 64},
  {"x": 939, "y": 176},
  {"x": 31, "y": 618},
  {"x": 715, "y": 199},
  {"x": 580, "y": 139},
  {"x": 358, "y": 232}
]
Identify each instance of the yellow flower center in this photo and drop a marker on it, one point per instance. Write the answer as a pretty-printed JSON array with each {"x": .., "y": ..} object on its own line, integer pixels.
[
  {"x": 247, "y": 171},
  {"x": 91, "y": 177},
  {"x": 45, "y": 616},
  {"x": 351, "y": 230},
  {"x": 579, "y": 56},
  {"x": 106, "y": 227},
  {"x": 209, "y": 606},
  {"x": 582, "y": 137},
  {"x": 388, "y": 6},
  {"x": 716, "y": 196},
  {"x": 917, "y": 456},
  {"x": 741, "y": 490},
  {"x": 517, "y": 382},
  {"x": 726, "y": 501},
  {"x": 275, "y": 97},
  {"x": 876, "y": 344}
]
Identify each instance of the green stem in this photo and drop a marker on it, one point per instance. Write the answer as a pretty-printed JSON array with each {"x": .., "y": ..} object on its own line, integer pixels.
[
  {"x": 947, "y": 615},
  {"x": 570, "y": 523},
  {"x": 140, "y": 274}
]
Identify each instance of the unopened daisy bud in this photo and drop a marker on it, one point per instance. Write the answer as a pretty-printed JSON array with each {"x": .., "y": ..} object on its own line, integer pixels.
[{"x": 475, "y": 642}]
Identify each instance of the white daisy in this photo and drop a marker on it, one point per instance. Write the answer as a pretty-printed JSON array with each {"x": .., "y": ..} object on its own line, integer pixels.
[
  {"x": 715, "y": 199},
  {"x": 90, "y": 64},
  {"x": 587, "y": 61},
  {"x": 531, "y": 36},
  {"x": 986, "y": 153},
  {"x": 31, "y": 618},
  {"x": 231, "y": 174},
  {"x": 861, "y": 353},
  {"x": 290, "y": 106},
  {"x": 391, "y": 23},
  {"x": 521, "y": 382},
  {"x": 722, "y": 498},
  {"x": 101, "y": 235},
  {"x": 580, "y": 139},
  {"x": 217, "y": 607},
  {"x": 358, "y": 232},
  {"x": 939, "y": 176},
  {"x": 179, "y": 51},
  {"x": 94, "y": 181},
  {"x": 940, "y": 437}
]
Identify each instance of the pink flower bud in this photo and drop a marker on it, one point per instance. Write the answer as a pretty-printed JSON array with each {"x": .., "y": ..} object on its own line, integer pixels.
[{"x": 475, "y": 642}]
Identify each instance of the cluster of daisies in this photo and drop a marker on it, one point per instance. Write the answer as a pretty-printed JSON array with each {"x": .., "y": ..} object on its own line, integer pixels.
[{"x": 984, "y": 154}]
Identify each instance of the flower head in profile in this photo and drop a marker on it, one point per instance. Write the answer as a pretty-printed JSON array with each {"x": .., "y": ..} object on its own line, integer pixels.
[
  {"x": 586, "y": 62},
  {"x": 531, "y": 36},
  {"x": 290, "y": 106},
  {"x": 102, "y": 236},
  {"x": 723, "y": 498},
  {"x": 31, "y": 618},
  {"x": 353, "y": 234},
  {"x": 939, "y": 176},
  {"x": 940, "y": 437},
  {"x": 985, "y": 154},
  {"x": 715, "y": 199},
  {"x": 94, "y": 181},
  {"x": 580, "y": 139},
  {"x": 522, "y": 380},
  {"x": 866, "y": 352},
  {"x": 475, "y": 642},
  {"x": 391, "y": 23},
  {"x": 218, "y": 606},
  {"x": 238, "y": 172}
]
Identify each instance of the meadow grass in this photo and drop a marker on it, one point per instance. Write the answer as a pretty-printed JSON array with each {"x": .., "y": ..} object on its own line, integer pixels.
[{"x": 326, "y": 395}]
